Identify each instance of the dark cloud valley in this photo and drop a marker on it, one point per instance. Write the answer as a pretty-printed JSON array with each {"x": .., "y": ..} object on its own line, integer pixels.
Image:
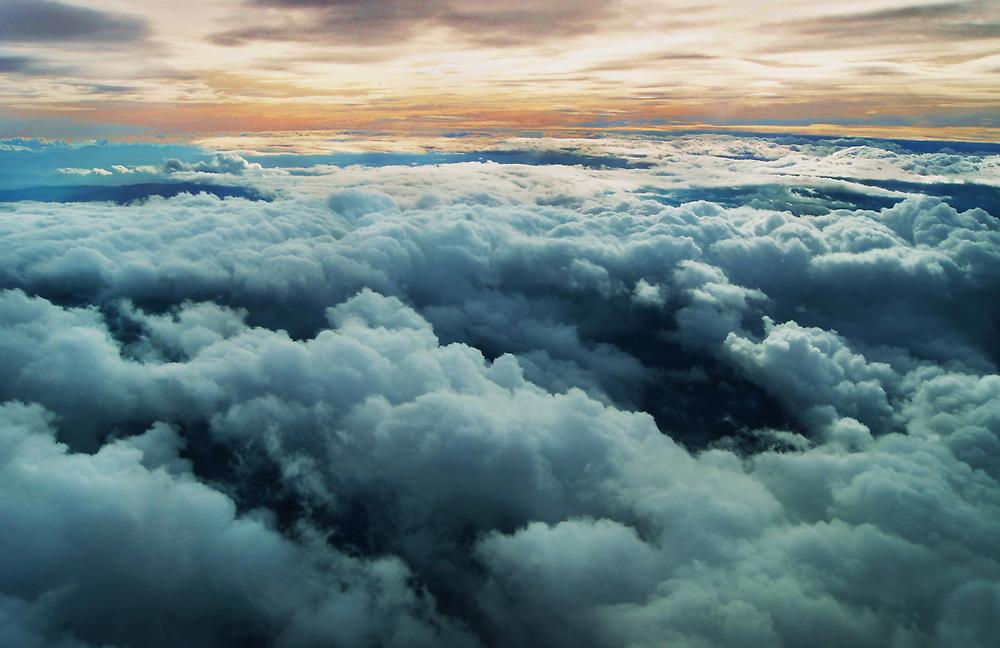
[{"x": 734, "y": 391}]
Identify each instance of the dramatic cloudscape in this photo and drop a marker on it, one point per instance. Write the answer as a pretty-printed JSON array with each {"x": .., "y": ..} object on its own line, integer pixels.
[
  {"x": 391, "y": 324},
  {"x": 702, "y": 390}
]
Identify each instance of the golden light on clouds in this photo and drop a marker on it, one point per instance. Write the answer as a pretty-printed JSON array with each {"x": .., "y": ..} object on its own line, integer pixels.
[{"x": 196, "y": 67}]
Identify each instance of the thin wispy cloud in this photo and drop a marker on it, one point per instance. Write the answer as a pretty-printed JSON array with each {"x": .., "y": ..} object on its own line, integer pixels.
[
  {"x": 383, "y": 22},
  {"x": 519, "y": 63}
]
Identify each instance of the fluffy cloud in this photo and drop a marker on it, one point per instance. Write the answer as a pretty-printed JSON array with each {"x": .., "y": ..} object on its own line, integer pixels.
[
  {"x": 501, "y": 404},
  {"x": 170, "y": 560}
]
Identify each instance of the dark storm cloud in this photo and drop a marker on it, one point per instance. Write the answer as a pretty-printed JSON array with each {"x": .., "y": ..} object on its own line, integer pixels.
[
  {"x": 507, "y": 405},
  {"x": 383, "y": 22},
  {"x": 51, "y": 21}
]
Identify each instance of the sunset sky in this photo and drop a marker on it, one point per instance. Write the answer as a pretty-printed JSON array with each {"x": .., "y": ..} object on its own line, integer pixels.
[
  {"x": 137, "y": 68},
  {"x": 499, "y": 323}
]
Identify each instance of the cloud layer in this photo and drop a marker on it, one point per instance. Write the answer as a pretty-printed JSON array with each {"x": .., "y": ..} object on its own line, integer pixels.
[{"x": 509, "y": 404}]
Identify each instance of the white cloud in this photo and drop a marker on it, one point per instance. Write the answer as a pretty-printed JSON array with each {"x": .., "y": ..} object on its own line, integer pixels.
[
  {"x": 220, "y": 163},
  {"x": 171, "y": 554},
  {"x": 77, "y": 171},
  {"x": 501, "y": 403}
]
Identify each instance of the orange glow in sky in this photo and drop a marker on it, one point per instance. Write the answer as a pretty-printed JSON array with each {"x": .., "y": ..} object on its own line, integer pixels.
[{"x": 193, "y": 67}]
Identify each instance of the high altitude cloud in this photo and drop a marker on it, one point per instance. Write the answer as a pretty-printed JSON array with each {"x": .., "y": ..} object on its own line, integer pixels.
[
  {"x": 28, "y": 21},
  {"x": 508, "y": 405},
  {"x": 965, "y": 20},
  {"x": 361, "y": 22}
]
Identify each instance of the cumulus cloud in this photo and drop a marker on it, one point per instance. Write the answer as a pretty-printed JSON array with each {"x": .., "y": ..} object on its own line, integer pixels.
[
  {"x": 220, "y": 163},
  {"x": 171, "y": 560},
  {"x": 506, "y": 405}
]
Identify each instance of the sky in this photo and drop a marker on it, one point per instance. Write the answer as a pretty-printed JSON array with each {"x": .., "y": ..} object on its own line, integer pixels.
[
  {"x": 593, "y": 324},
  {"x": 146, "y": 68}
]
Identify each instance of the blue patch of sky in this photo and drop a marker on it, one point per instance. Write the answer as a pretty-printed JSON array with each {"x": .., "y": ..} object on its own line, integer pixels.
[{"x": 35, "y": 163}]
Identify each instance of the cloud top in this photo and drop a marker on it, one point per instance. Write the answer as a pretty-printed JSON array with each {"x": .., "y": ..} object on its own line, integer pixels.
[{"x": 484, "y": 404}]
